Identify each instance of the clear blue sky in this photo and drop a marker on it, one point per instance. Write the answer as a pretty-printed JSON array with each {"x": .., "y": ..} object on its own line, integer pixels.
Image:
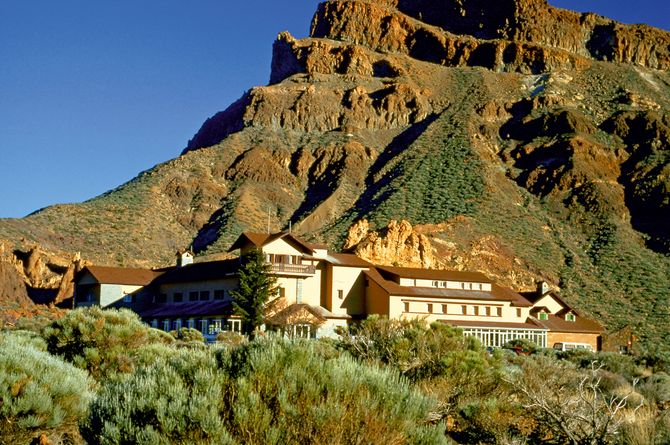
[{"x": 92, "y": 93}]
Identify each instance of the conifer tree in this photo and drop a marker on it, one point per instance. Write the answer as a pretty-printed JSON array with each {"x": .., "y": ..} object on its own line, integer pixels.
[{"x": 256, "y": 285}]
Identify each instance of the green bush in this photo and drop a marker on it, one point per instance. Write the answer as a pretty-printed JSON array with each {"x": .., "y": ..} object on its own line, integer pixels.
[
  {"x": 188, "y": 335},
  {"x": 178, "y": 398},
  {"x": 417, "y": 350},
  {"x": 230, "y": 339},
  {"x": 270, "y": 391},
  {"x": 289, "y": 393},
  {"x": 102, "y": 341},
  {"x": 39, "y": 393},
  {"x": 656, "y": 389}
]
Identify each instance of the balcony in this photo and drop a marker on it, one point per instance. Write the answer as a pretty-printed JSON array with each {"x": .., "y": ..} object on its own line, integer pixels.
[{"x": 292, "y": 269}]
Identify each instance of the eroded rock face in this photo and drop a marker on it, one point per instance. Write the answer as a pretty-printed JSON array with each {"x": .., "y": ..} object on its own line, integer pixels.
[
  {"x": 523, "y": 21},
  {"x": 396, "y": 245},
  {"x": 32, "y": 269}
]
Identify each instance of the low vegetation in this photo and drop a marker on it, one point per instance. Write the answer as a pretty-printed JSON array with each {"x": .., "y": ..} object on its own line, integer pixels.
[{"x": 385, "y": 381}]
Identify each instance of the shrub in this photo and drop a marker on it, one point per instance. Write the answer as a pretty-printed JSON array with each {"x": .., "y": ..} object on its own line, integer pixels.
[
  {"x": 288, "y": 393},
  {"x": 230, "y": 339},
  {"x": 38, "y": 392},
  {"x": 176, "y": 399},
  {"x": 188, "y": 335},
  {"x": 416, "y": 349},
  {"x": 104, "y": 342},
  {"x": 656, "y": 389},
  {"x": 269, "y": 391}
]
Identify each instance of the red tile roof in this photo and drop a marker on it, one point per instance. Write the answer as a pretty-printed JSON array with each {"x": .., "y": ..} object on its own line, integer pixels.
[
  {"x": 346, "y": 259},
  {"x": 207, "y": 271},
  {"x": 557, "y": 323},
  {"x": 434, "y": 274},
  {"x": 261, "y": 239},
  {"x": 187, "y": 309},
  {"x": 497, "y": 293},
  {"x": 121, "y": 275}
]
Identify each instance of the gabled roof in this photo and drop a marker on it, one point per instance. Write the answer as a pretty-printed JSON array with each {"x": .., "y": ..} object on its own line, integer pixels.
[
  {"x": 497, "y": 293},
  {"x": 434, "y": 274},
  {"x": 320, "y": 313},
  {"x": 120, "y": 275},
  {"x": 211, "y": 270},
  {"x": 534, "y": 297},
  {"x": 262, "y": 239},
  {"x": 557, "y": 323},
  {"x": 343, "y": 259},
  {"x": 188, "y": 309}
]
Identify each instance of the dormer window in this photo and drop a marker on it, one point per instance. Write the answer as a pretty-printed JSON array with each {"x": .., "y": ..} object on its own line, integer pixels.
[
  {"x": 544, "y": 316},
  {"x": 570, "y": 317}
]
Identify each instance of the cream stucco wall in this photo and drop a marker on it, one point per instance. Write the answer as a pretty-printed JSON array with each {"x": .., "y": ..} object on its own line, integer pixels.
[
  {"x": 549, "y": 302},
  {"x": 412, "y": 282},
  {"x": 418, "y": 308},
  {"x": 351, "y": 282},
  {"x": 279, "y": 246},
  {"x": 311, "y": 288},
  {"x": 376, "y": 300},
  {"x": 111, "y": 293}
]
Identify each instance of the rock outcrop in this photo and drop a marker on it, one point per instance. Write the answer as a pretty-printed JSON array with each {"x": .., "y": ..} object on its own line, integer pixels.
[{"x": 396, "y": 245}]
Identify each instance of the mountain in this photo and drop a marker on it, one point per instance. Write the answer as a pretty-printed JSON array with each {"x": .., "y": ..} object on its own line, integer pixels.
[{"x": 514, "y": 138}]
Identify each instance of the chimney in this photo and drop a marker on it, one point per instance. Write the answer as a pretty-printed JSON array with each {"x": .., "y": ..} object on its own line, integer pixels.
[
  {"x": 184, "y": 257},
  {"x": 543, "y": 288}
]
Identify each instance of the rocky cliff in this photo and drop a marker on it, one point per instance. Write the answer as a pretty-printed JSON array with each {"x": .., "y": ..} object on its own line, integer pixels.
[{"x": 509, "y": 137}]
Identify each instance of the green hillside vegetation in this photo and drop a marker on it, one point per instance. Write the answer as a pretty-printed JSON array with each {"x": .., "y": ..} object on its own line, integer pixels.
[{"x": 386, "y": 381}]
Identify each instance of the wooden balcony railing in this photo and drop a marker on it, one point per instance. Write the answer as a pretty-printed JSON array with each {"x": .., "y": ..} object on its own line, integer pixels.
[{"x": 292, "y": 268}]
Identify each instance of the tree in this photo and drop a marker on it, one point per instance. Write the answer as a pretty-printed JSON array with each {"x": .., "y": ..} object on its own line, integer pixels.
[{"x": 256, "y": 285}]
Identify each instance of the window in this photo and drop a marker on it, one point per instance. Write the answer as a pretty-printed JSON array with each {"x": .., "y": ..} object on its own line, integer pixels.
[
  {"x": 233, "y": 325},
  {"x": 444, "y": 284},
  {"x": 544, "y": 316},
  {"x": 488, "y": 311},
  {"x": 178, "y": 297},
  {"x": 154, "y": 323},
  {"x": 166, "y": 325},
  {"x": 203, "y": 326},
  {"x": 128, "y": 298},
  {"x": 406, "y": 303},
  {"x": 444, "y": 308},
  {"x": 219, "y": 294},
  {"x": 177, "y": 324},
  {"x": 476, "y": 310},
  {"x": 302, "y": 331},
  {"x": 214, "y": 327},
  {"x": 340, "y": 294},
  {"x": 430, "y": 308},
  {"x": 281, "y": 292},
  {"x": 190, "y": 323},
  {"x": 518, "y": 313},
  {"x": 193, "y": 296},
  {"x": 570, "y": 317},
  {"x": 464, "y": 310},
  {"x": 499, "y": 311},
  {"x": 162, "y": 298},
  {"x": 436, "y": 283},
  {"x": 204, "y": 295}
]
